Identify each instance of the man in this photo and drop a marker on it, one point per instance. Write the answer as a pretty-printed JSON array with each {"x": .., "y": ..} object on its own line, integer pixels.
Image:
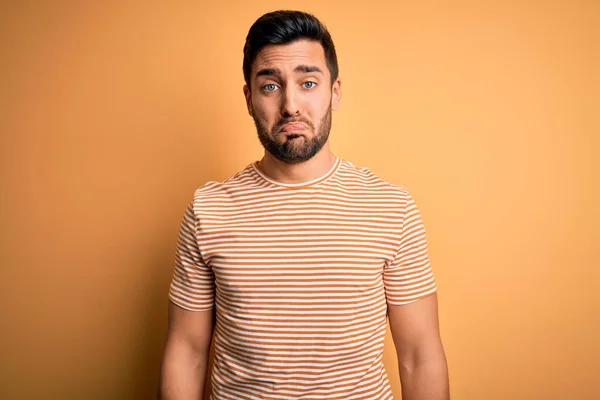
[{"x": 297, "y": 260}]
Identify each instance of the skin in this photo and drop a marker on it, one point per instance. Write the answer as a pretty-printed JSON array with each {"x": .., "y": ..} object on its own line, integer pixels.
[
  {"x": 186, "y": 357},
  {"x": 292, "y": 83},
  {"x": 421, "y": 357}
]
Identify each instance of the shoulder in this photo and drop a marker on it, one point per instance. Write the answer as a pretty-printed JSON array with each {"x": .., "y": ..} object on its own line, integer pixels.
[
  {"x": 365, "y": 178},
  {"x": 212, "y": 191}
]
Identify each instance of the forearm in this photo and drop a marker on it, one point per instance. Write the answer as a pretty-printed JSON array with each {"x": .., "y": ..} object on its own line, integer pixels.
[
  {"x": 183, "y": 376},
  {"x": 426, "y": 380}
]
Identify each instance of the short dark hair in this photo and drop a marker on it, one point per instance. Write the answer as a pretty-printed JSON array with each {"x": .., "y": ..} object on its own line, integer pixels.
[{"x": 283, "y": 27}]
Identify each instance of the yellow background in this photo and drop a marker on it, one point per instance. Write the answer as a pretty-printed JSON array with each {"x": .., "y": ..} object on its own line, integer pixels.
[{"x": 112, "y": 113}]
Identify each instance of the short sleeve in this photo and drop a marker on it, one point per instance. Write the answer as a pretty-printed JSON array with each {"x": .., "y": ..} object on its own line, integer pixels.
[
  {"x": 193, "y": 283},
  {"x": 408, "y": 277}
]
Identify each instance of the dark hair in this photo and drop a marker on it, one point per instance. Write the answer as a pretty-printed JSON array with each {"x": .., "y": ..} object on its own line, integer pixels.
[{"x": 283, "y": 27}]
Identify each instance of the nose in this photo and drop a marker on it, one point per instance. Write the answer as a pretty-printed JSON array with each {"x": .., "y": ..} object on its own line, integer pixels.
[{"x": 289, "y": 103}]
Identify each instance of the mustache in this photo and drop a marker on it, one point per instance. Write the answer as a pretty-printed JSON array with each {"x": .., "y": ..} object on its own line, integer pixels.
[{"x": 282, "y": 122}]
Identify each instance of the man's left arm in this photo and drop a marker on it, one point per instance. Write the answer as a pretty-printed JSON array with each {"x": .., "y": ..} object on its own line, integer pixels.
[{"x": 421, "y": 359}]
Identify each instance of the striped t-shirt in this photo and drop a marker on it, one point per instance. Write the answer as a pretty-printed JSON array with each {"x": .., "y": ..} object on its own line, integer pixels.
[{"x": 301, "y": 276}]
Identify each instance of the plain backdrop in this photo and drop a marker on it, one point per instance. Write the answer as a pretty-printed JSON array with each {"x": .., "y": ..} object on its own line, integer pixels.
[{"x": 113, "y": 113}]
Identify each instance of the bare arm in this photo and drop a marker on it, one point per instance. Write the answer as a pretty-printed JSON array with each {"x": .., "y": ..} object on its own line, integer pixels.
[
  {"x": 187, "y": 349},
  {"x": 421, "y": 358}
]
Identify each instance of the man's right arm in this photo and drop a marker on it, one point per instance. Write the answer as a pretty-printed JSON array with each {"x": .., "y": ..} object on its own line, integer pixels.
[{"x": 187, "y": 349}]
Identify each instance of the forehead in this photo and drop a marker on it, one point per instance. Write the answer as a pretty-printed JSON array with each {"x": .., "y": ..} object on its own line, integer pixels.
[{"x": 288, "y": 56}]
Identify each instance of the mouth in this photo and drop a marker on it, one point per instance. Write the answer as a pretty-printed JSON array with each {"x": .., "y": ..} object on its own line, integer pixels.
[{"x": 293, "y": 127}]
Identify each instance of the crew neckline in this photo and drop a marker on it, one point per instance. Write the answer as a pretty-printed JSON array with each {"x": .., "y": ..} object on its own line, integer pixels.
[{"x": 300, "y": 185}]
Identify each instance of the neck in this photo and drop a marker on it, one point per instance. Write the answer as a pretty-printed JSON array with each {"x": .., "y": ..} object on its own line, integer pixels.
[{"x": 306, "y": 171}]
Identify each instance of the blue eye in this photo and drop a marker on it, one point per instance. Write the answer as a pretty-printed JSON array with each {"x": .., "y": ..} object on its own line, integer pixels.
[
  {"x": 309, "y": 84},
  {"x": 270, "y": 87}
]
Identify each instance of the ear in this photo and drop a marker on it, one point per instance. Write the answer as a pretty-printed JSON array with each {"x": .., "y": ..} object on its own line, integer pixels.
[
  {"x": 248, "y": 98},
  {"x": 336, "y": 94}
]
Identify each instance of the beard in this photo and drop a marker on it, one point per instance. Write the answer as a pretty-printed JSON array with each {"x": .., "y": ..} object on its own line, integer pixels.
[{"x": 294, "y": 150}]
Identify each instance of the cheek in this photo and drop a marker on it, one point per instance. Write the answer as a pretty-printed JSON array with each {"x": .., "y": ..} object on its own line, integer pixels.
[
  {"x": 317, "y": 105},
  {"x": 264, "y": 110},
  {"x": 317, "y": 111},
  {"x": 265, "y": 118}
]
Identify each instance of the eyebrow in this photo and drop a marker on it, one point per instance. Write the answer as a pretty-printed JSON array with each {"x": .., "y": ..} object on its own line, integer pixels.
[{"x": 299, "y": 69}]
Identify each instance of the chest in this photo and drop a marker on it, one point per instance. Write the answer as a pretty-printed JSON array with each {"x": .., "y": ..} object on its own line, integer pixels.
[{"x": 299, "y": 243}]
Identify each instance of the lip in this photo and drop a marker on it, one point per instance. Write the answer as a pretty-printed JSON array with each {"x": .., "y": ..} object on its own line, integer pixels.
[{"x": 293, "y": 127}]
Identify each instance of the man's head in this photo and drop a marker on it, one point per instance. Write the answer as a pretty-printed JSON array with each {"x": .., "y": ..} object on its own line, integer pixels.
[{"x": 292, "y": 84}]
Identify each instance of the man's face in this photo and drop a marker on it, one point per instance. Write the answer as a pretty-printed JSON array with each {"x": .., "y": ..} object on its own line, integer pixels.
[{"x": 291, "y": 99}]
